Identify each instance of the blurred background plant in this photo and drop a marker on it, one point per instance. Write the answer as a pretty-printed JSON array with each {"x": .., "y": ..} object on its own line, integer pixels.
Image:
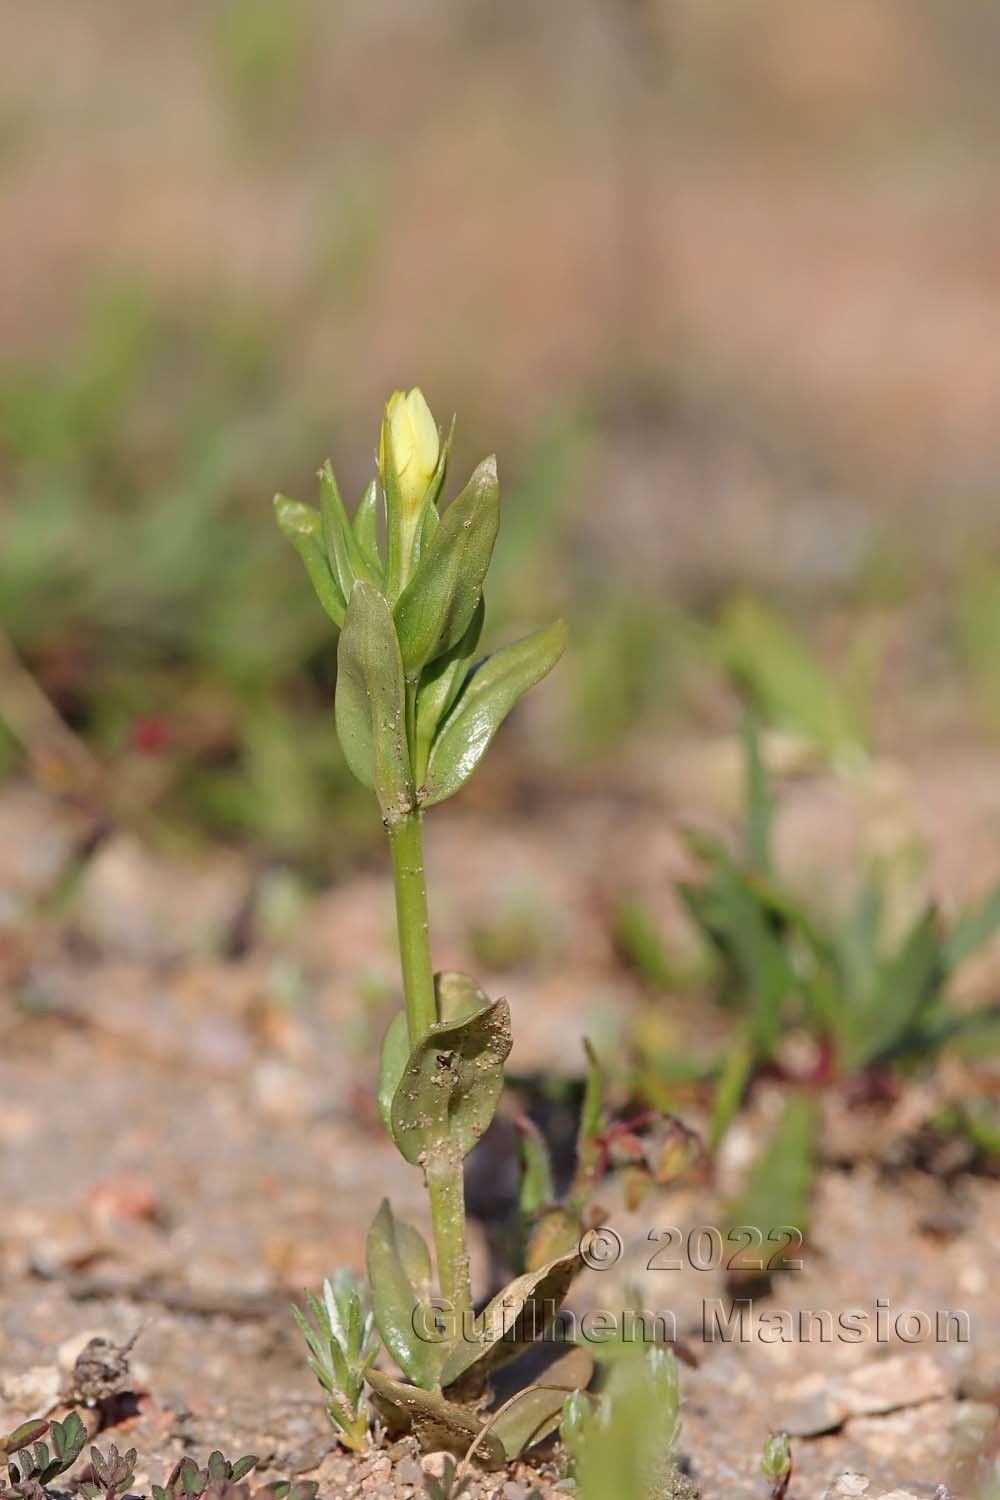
[{"x": 221, "y": 264}]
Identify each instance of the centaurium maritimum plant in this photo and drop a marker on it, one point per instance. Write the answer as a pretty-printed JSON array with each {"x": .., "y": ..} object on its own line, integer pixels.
[{"x": 416, "y": 709}]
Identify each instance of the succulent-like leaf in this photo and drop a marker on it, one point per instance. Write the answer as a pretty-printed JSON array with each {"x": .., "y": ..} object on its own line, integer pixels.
[
  {"x": 438, "y": 1424},
  {"x": 519, "y": 1315},
  {"x": 399, "y": 1272},
  {"x": 365, "y": 528},
  {"x": 451, "y": 1084},
  {"x": 370, "y": 701},
  {"x": 303, "y": 526},
  {"x": 536, "y": 1412},
  {"x": 440, "y": 685},
  {"x": 435, "y": 609},
  {"x": 484, "y": 703},
  {"x": 537, "y": 1188}
]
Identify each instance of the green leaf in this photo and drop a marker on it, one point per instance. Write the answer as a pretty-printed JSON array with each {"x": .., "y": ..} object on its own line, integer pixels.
[
  {"x": 737, "y": 1066},
  {"x": 905, "y": 985},
  {"x": 777, "y": 1193},
  {"x": 393, "y": 1057},
  {"x": 537, "y": 1188},
  {"x": 484, "y": 703},
  {"x": 399, "y": 1272},
  {"x": 787, "y": 680},
  {"x": 345, "y": 557},
  {"x": 435, "y": 609},
  {"x": 457, "y": 996},
  {"x": 760, "y": 800},
  {"x": 303, "y": 527},
  {"x": 440, "y": 1425},
  {"x": 973, "y": 930},
  {"x": 365, "y": 528},
  {"x": 370, "y": 701},
  {"x": 452, "y": 1084},
  {"x": 518, "y": 1316},
  {"x": 535, "y": 1412},
  {"x": 440, "y": 685}
]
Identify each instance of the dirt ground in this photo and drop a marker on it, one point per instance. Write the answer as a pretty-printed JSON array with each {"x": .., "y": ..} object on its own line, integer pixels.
[{"x": 187, "y": 1071}]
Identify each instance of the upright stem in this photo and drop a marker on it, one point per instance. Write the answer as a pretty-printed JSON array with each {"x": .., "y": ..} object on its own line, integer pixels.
[
  {"x": 444, "y": 1174},
  {"x": 446, "y": 1187},
  {"x": 406, "y": 841}
]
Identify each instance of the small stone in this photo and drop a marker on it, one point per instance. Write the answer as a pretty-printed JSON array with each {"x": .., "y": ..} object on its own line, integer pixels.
[
  {"x": 514, "y": 1491},
  {"x": 408, "y": 1471},
  {"x": 848, "y": 1487},
  {"x": 436, "y": 1464}
]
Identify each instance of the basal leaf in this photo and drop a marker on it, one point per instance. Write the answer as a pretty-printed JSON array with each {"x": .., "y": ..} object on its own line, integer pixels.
[
  {"x": 439, "y": 1425},
  {"x": 365, "y": 528},
  {"x": 399, "y": 1273},
  {"x": 535, "y": 1412},
  {"x": 519, "y": 1315}
]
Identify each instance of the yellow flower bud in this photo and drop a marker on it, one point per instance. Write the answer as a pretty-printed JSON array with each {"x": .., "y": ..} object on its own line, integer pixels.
[{"x": 415, "y": 445}]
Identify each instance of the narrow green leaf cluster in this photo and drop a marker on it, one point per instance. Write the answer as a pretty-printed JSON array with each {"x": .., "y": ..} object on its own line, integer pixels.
[
  {"x": 414, "y": 718},
  {"x": 342, "y": 1348}
]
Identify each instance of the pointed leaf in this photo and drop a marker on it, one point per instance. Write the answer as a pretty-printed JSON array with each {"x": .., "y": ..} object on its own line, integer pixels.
[
  {"x": 399, "y": 1272},
  {"x": 303, "y": 527},
  {"x": 343, "y": 553},
  {"x": 441, "y": 684},
  {"x": 519, "y": 1315},
  {"x": 536, "y": 1411},
  {"x": 435, "y": 609},
  {"x": 365, "y": 528},
  {"x": 370, "y": 701},
  {"x": 484, "y": 703},
  {"x": 452, "y": 1084}
]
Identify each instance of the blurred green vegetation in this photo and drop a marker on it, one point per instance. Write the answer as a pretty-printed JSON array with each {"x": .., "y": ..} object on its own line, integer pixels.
[{"x": 230, "y": 260}]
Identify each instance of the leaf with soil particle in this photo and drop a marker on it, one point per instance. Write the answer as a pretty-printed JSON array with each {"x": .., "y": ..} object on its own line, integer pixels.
[
  {"x": 534, "y": 1413},
  {"x": 457, "y": 996},
  {"x": 452, "y": 1084},
  {"x": 399, "y": 1272},
  {"x": 438, "y": 1424},
  {"x": 516, "y": 1317}
]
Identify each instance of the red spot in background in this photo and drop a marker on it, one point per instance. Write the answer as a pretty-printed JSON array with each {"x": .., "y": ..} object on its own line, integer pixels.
[{"x": 149, "y": 735}]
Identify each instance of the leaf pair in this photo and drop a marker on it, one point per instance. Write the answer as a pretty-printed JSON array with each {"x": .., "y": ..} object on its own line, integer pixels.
[{"x": 335, "y": 552}]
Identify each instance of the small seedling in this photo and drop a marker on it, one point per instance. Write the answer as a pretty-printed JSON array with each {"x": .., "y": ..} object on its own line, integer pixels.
[
  {"x": 342, "y": 1348},
  {"x": 113, "y": 1473},
  {"x": 777, "y": 1464},
  {"x": 187, "y": 1482}
]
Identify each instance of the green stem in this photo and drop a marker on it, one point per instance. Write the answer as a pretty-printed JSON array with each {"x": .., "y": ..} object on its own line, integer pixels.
[
  {"x": 445, "y": 1182},
  {"x": 406, "y": 841},
  {"x": 446, "y": 1187}
]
